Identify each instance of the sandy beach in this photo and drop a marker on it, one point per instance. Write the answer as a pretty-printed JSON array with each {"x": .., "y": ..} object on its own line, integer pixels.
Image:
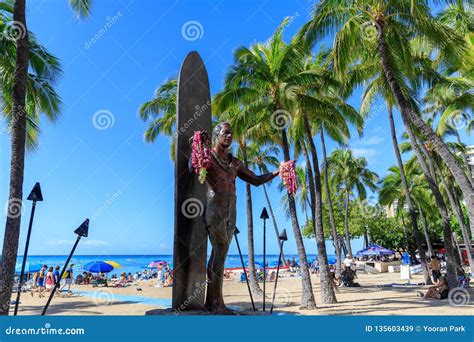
[{"x": 369, "y": 299}]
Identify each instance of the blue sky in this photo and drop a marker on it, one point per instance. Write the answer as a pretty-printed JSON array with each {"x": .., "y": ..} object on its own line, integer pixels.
[{"x": 112, "y": 63}]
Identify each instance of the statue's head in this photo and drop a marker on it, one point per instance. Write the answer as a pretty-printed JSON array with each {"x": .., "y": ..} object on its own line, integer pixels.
[{"x": 222, "y": 135}]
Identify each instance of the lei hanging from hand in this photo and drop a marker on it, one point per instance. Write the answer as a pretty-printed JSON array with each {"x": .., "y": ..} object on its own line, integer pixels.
[{"x": 288, "y": 175}]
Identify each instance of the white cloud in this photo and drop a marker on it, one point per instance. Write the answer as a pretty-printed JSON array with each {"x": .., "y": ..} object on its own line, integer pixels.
[
  {"x": 59, "y": 242},
  {"x": 373, "y": 140},
  {"x": 93, "y": 243},
  {"x": 96, "y": 243},
  {"x": 364, "y": 152}
]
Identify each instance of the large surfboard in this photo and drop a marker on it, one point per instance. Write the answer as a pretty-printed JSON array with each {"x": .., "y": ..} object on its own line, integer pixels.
[{"x": 193, "y": 112}]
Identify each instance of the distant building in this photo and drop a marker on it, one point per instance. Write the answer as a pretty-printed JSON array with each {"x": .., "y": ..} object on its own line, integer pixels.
[
  {"x": 391, "y": 210},
  {"x": 470, "y": 157}
]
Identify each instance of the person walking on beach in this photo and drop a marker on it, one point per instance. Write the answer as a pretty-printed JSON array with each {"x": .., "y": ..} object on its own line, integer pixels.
[
  {"x": 160, "y": 277},
  {"x": 49, "y": 279},
  {"x": 41, "y": 278},
  {"x": 56, "y": 275},
  {"x": 68, "y": 279}
]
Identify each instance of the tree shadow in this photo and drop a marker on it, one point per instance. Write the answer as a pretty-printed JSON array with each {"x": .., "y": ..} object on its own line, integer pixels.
[{"x": 70, "y": 308}]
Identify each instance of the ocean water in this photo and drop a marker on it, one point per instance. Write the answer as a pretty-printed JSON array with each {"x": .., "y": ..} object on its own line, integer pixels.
[{"x": 134, "y": 263}]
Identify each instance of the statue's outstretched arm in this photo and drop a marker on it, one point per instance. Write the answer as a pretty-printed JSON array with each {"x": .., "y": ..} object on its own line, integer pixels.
[{"x": 247, "y": 175}]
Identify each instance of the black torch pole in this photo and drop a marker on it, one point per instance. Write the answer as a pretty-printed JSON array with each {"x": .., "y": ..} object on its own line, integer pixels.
[
  {"x": 81, "y": 231},
  {"x": 236, "y": 231},
  {"x": 283, "y": 238},
  {"x": 264, "y": 216},
  {"x": 264, "y": 261},
  {"x": 34, "y": 196}
]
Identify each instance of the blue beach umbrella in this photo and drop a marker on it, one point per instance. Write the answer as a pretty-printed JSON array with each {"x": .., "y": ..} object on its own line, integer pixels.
[
  {"x": 332, "y": 261},
  {"x": 374, "y": 249},
  {"x": 275, "y": 263},
  {"x": 30, "y": 267},
  {"x": 98, "y": 267}
]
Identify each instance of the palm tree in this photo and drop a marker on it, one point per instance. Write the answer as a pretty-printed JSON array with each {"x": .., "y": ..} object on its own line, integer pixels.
[
  {"x": 160, "y": 113},
  {"x": 393, "y": 190},
  {"x": 238, "y": 131},
  {"x": 262, "y": 78},
  {"x": 387, "y": 28},
  {"x": 426, "y": 165},
  {"x": 260, "y": 158},
  {"x": 376, "y": 87},
  {"x": 319, "y": 103},
  {"x": 348, "y": 174},
  {"x": 335, "y": 122},
  {"x": 41, "y": 97},
  {"x": 456, "y": 208},
  {"x": 18, "y": 133},
  {"x": 18, "y": 129},
  {"x": 452, "y": 98}
]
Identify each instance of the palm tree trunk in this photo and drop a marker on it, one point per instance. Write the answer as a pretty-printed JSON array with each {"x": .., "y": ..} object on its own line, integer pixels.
[
  {"x": 346, "y": 222},
  {"x": 312, "y": 194},
  {"x": 447, "y": 233},
  {"x": 406, "y": 190},
  {"x": 460, "y": 218},
  {"x": 327, "y": 289},
  {"x": 307, "y": 296},
  {"x": 17, "y": 165},
  {"x": 343, "y": 245},
  {"x": 465, "y": 158},
  {"x": 251, "y": 247},
  {"x": 366, "y": 238},
  {"x": 425, "y": 231},
  {"x": 272, "y": 215},
  {"x": 332, "y": 220},
  {"x": 412, "y": 117},
  {"x": 432, "y": 169}
]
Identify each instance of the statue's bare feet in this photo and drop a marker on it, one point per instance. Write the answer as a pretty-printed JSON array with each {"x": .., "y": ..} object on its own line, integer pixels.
[{"x": 222, "y": 310}]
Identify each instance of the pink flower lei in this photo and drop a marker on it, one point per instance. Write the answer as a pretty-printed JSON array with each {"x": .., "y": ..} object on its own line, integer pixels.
[
  {"x": 288, "y": 175},
  {"x": 201, "y": 154}
]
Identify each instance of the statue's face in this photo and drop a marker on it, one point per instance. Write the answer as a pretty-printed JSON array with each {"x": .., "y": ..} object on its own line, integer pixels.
[{"x": 225, "y": 136}]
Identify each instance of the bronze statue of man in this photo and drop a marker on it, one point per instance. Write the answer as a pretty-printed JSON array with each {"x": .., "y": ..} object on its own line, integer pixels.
[{"x": 220, "y": 209}]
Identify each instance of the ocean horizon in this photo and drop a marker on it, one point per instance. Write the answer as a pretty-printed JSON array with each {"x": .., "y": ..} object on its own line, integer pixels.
[{"x": 132, "y": 263}]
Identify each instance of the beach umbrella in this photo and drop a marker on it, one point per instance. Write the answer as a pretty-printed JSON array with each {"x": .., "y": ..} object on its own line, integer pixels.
[
  {"x": 98, "y": 267},
  {"x": 30, "y": 267},
  {"x": 113, "y": 263},
  {"x": 275, "y": 263},
  {"x": 157, "y": 263},
  {"x": 374, "y": 249},
  {"x": 332, "y": 261}
]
